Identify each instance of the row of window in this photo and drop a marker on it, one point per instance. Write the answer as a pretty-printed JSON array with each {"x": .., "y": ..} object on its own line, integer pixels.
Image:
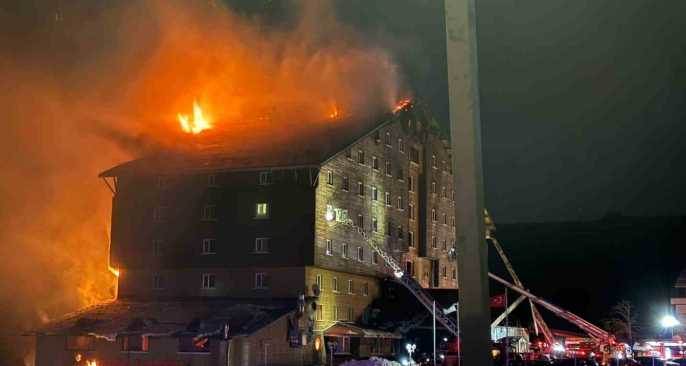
[
  {"x": 208, "y": 281},
  {"x": 137, "y": 343},
  {"x": 264, "y": 179},
  {"x": 364, "y": 291},
  {"x": 209, "y": 246},
  {"x": 345, "y": 252},
  {"x": 209, "y": 212}
]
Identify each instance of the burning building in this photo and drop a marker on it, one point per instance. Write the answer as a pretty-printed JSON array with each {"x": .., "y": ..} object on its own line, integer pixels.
[{"x": 233, "y": 250}]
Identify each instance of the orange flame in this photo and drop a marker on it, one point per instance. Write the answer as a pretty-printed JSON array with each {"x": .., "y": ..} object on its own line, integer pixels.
[
  {"x": 335, "y": 112},
  {"x": 402, "y": 104},
  {"x": 199, "y": 122},
  {"x": 114, "y": 271}
]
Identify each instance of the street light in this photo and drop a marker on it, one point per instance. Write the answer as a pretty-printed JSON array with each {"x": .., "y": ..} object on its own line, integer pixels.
[
  {"x": 669, "y": 322},
  {"x": 410, "y": 347}
]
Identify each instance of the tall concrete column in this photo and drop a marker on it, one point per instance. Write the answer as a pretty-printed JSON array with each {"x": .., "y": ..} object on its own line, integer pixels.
[{"x": 465, "y": 130}]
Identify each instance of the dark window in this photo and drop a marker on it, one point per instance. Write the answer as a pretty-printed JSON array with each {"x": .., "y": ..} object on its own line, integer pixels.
[
  {"x": 261, "y": 245},
  {"x": 261, "y": 280},
  {"x": 360, "y": 156},
  {"x": 346, "y": 184},
  {"x": 265, "y": 178},
  {"x": 360, "y": 221},
  {"x": 158, "y": 282},
  {"x": 401, "y": 145},
  {"x": 349, "y": 154},
  {"x": 209, "y": 212},
  {"x": 329, "y": 177},
  {"x": 212, "y": 180},
  {"x": 414, "y": 155},
  {"x": 209, "y": 246},
  {"x": 208, "y": 281},
  {"x": 375, "y": 163},
  {"x": 375, "y": 224},
  {"x": 375, "y": 193},
  {"x": 159, "y": 214},
  {"x": 360, "y": 188},
  {"x": 387, "y": 139},
  {"x": 388, "y": 168},
  {"x": 410, "y": 238}
]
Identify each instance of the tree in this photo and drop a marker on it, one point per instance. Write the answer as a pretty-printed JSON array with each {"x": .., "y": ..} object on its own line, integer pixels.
[{"x": 623, "y": 321}]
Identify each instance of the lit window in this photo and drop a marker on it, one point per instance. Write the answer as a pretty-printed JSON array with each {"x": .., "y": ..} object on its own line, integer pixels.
[
  {"x": 261, "y": 281},
  {"x": 388, "y": 168},
  {"x": 360, "y": 188},
  {"x": 329, "y": 247},
  {"x": 157, "y": 247},
  {"x": 351, "y": 289},
  {"x": 212, "y": 180},
  {"x": 346, "y": 184},
  {"x": 387, "y": 139},
  {"x": 375, "y": 193},
  {"x": 375, "y": 225},
  {"x": 261, "y": 245},
  {"x": 410, "y": 238},
  {"x": 388, "y": 198},
  {"x": 401, "y": 145},
  {"x": 262, "y": 210},
  {"x": 209, "y": 212},
  {"x": 360, "y": 254},
  {"x": 334, "y": 284},
  {"x": 158, "y": 282},
  {"x": 344, "y": 250},
  {"x": 329, "y": 177},
  {"x": 209, "y": 246},
  {"x": 375, "y": 163},
  {"x": 365, "y": 289},
  {"x": 434, "y": 242},
  {"x": 360, "y": 156},
  {"x": 265, "y": 178},
  {"x": 208, "y": 281}
]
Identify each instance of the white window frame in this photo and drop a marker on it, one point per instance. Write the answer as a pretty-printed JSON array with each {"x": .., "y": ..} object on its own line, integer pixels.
[
  {"x": 360, "y": 188},
  {"x": 334, "y": 285},
  {"x": 329, "y": 247},
  {"x": 375, "y": 193},
  {"x": 329, "y": 177},
  {"x": 261, "y": 245},
  {"x": 265, "y": 178},
  {"x": 388, "y": 168},
  {"x": 344, "y": 250},
  {"x": 209, "y": 246},
  {"x": 209, "y": 281},
  {"x": 209, "y": 212},
  {"x": 410, "y": 209},
  {"x": 360, "y": 157},
  {"x": 434, "y": 215},
  {"x": 360, "y": 254},
  {"x": 258, "y": 208},
  {"x": 375, "y": 163},
  {"x": 387, "y": 198},
  {"x": 318, "y": 279},
  {"x": 351, "y": 287},
  {"x": 387, "y": 139},
  {"x": 399, "y": 203},
  {"x": 375, "y": 225},
  {"x": 401, "y": 145}
]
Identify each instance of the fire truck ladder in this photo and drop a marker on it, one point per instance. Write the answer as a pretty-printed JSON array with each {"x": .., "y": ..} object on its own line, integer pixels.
[
  {"x": 539, "y": 323},
  {"x": 592, "y": 330},
  {"x": 410, "y": 283}
]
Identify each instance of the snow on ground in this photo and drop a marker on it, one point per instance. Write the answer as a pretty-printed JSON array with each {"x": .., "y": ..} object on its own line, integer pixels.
[{"x": 372, "y": 361}]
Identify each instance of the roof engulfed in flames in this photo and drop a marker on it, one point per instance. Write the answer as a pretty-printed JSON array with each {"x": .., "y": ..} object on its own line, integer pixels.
[{"x": 199, "y": 123}]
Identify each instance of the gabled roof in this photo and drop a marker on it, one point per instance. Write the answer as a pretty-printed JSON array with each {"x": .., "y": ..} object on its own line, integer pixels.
[
  {"x": 251, "y": 147},
  {"x": 170, "y": 317}
]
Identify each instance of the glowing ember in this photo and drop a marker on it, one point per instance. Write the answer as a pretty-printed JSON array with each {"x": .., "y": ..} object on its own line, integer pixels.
[
  {"x": 91, "y": 363},
  {"x": 335, "y": 112},
  {"x": 114, "y": 271},
  {"x": 199, "y": 122},
  {"x": 402, "y": 104}
]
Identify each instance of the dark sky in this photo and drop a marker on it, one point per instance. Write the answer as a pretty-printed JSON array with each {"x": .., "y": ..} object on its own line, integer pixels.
[{"x": 583, "y": 102}]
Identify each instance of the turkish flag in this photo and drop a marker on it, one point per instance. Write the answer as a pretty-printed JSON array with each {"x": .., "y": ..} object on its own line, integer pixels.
[{"x": 498, "y": 301}]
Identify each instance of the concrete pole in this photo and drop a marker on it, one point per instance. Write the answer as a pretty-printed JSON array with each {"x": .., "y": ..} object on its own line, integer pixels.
[{"x": 465, "y": 129}]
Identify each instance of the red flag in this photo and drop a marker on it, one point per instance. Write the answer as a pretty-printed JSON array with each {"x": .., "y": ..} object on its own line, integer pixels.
[{"x": 498, "y": 301}]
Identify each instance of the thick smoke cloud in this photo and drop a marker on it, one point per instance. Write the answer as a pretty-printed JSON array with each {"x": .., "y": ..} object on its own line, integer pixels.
[{"x": 88, "y": 84}]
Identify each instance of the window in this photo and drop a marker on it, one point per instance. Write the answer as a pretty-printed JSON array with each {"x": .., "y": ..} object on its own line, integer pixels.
[
  {"x": 360, "y": 221},
  {"x": 443, "y": 192},
  {"x": 262, "y": 210},
  {"x": 346, "y": 184},
  {"x": 445, "y": 219},
  {"x": 375, "y": 258},
  {"x": 318, "y": 281},
  {"x": 375, "y": 225},
  {"x": 388, "y": 227},
  {"x": 365, "y": 289},
  {"x": 349, "y": 154},
  {"x": 209, "y": 212},
  {"x": 212, "y": 180},
  {"x": 387, "y": 139},
  {"x": 375, "y": 193},
  {"x": 261, "y": 245},
  {"x": 399, "y": 204},
  {"x": 134, "y": 343},
  {"x": 434, "y": 163},
  {"x": 377, "y": 136},
  {"x": 261, "y": 281},
  {"x": 157, "y": 247},
  {"x": 444, "y": 272},
  {"x": 329, "y": 247},
  {"x": 452, "y": 220},
  {"x": 351, "y": 288},
  {"x": 434, "y": 215},
  {"x": 344, "y": 250},
  {"x": 350, "y": 313},
  {"x": 400, "y": 232},
  {"x": 433, "y": 187},
  {"x": 408, "y": 268},
  {"x": 360, "y": 189},
  {"x": 334, "y": 284},
  {"x": 445, "y": 245},
  {"x": 388, "y": 198},
  {"x": 360, "y": 254},
  {"x": 360, "y": 156},
  {"x": 445, "y": 166},
  {"x": 157, "y": 282},
  {"x": 410, "y": 183},
  {"x": 320, "y": 312},
  {"x": 434, "y": 242},
  {"x": 209, "y": 246},
  {"x": 335, "y": 312},
  {"x": 401, "y": 145},
  {"x": 454, "y": 274},
  {"x": 414, "y": 155},
  {"x": 159, "y": 214},
  {"x": 375, "y": 163},
  {"x": 265, "y": 178},
  {"x": 329, "y": 177},
  {"x": 410, "y": 238},
  {"x": 208, "y": 281},
  {"x": 410, "y": 209},
  {"x": 388, "y": 168}
]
